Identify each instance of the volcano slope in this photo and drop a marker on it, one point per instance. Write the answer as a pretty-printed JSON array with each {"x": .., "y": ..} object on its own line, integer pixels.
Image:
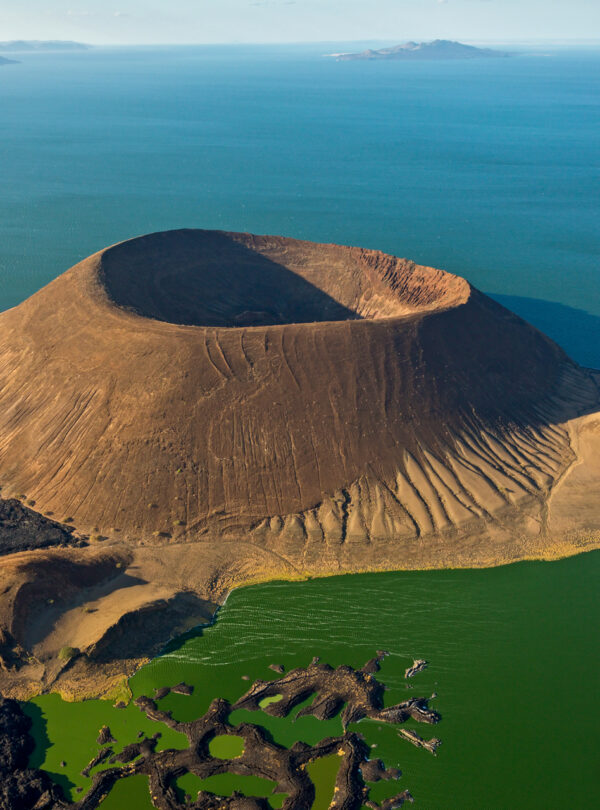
[{"x": 207, "y": 409}]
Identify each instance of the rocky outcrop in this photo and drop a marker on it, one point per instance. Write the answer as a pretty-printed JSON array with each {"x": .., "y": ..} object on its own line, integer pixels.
[
  {"x": 105, "y": 736},
  {"x": 359, "y": 693},
  {"x": 21, "y": 787},
  {"x": 418, "y": 665},
  {"x": 23, "y": 529},
  {"x": 354, "y": 693},
  {"x": 418, "y": 741}
]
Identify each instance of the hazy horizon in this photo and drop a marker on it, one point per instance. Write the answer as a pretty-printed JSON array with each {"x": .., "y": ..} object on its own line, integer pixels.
[
  {"x": 546, "y": 42},
  {"x": 206, "y": 22}
]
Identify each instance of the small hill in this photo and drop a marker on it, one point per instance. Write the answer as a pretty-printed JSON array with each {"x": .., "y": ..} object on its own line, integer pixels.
[
  {"x": 4, "y": 61},
  {"x": 436, "y": 50}
]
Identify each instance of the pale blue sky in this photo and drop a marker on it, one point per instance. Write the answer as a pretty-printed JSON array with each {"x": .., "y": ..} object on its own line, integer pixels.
[{"x": 200, "y": 21}]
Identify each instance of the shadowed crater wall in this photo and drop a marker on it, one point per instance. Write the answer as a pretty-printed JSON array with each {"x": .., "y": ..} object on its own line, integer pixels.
[{"x": 211, "y": 278}]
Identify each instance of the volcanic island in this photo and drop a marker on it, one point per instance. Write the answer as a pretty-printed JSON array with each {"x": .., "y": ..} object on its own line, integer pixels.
[
  {"x": 190, "y": 411},
  {"x": 439, "y": 49}
]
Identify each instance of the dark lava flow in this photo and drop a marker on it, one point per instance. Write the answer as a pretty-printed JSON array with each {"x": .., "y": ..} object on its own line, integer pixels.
[{"x": 356, "y": 693}]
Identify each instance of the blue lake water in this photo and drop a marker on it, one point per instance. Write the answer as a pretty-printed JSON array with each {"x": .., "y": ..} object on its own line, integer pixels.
[{"x": 487, "y": 168}]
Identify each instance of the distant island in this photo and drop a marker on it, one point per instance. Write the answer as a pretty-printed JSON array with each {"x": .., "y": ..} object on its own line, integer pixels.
[
  {"x": 438, "y": 49},
  {"x": 4, "y": 61},
  {"x": 21, "y": 45}
]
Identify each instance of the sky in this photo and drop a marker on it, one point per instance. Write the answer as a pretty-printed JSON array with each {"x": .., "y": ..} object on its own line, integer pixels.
[{"x": 215, "y": 21}]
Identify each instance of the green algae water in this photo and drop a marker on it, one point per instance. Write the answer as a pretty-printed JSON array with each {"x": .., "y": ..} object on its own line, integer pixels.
[
  {"x": 513, "y": 657},
  {"x": 67, "y": 732},
  {"x": 129, "y": 793},
  {"x": 323, "y": 773},
  {"x": 226, "y": 746},
  {"x": 224, "y": 784}
]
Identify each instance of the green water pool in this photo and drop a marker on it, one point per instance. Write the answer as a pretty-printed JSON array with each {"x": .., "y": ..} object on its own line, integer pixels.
[
  {"x": 323, "y": 773},
  {"x": 513, "y": 657},
  {"x": 224, "y": 785},
  {"x": 226, "y": 746}
]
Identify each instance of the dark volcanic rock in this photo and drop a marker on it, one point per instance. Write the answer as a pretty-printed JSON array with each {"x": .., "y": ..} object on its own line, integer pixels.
[
  {"x": 418, "y": 741},
  {"x": 15, "y": 743},
  {"x": 356, "y": 691},
  {"x": 418, "y": 665},
  {"x": 285, "y": 767},
  {"x": 22, "y": 788},
  {"x": 182, "y": 689},
  {"x": 105, "y": 736},
  {"x": 22, "y": 529},
  {"x": 100, "y": 757},
  {"x": 374, "y": 769}
]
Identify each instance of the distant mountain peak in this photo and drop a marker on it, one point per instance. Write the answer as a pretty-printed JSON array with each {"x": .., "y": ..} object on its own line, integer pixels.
[{"x": 27, "y": 45}]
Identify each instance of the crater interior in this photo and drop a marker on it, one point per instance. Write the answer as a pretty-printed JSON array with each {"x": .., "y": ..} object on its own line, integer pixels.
[{"x": 219, "y": 279}]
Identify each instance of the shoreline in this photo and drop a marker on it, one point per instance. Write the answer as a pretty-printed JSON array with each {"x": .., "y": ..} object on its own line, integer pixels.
[
  {"x": 85, "y": 680},
  {"x": 475, "y": 629}
]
